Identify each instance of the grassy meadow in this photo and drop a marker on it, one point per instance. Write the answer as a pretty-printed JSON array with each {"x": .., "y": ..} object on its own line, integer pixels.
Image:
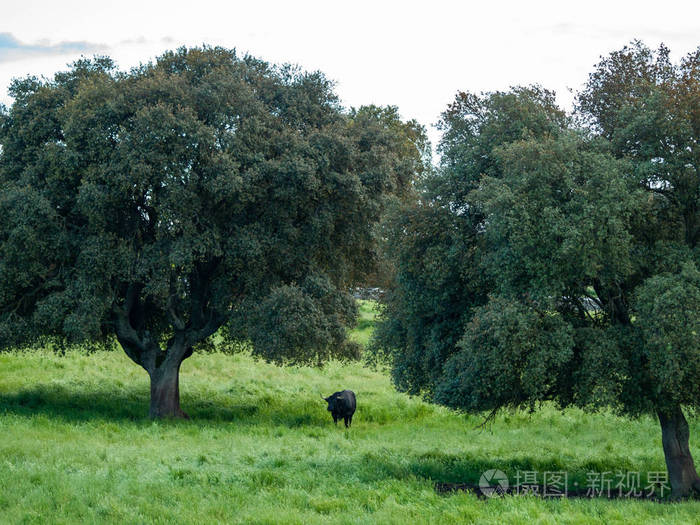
[{"x": 76, "y": 445}]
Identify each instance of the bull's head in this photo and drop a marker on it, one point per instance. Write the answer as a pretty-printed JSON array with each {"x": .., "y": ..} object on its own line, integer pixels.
[{"x": 331, "y": 402}]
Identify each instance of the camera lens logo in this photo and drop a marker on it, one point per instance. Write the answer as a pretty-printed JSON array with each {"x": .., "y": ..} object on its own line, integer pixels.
[{"x": 493, "y": 482}]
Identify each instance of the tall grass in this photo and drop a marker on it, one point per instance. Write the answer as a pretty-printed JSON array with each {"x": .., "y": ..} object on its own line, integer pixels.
[
  {"x": 365, "y": 322},
  {"x": 76, "y": 446}
]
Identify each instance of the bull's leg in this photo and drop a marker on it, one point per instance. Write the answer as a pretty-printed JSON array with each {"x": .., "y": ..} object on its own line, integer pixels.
[
  {"x": 347, "y": 421},
  {"x": 350, "y": 419},
  {"x": 335, "y": 419}
]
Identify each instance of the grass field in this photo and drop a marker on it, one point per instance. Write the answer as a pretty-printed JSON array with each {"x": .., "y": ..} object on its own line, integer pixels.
[
  {"x": 365, "y": 322},
  {"x": 76, "y": 446}
]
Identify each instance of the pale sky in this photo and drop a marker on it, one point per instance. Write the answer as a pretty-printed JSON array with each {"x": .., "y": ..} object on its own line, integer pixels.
[{"x": 415, "y": 55}]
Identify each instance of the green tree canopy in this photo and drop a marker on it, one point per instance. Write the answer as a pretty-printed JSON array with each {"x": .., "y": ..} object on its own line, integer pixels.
[
  {"x": 201, "y": 191},
  {"x": 549, "y": 263}
]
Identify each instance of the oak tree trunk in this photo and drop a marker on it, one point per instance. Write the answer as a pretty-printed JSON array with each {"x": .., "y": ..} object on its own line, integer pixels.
[
  {"x": 675, "y": 436},
  {"x": 165, "y": 392}
]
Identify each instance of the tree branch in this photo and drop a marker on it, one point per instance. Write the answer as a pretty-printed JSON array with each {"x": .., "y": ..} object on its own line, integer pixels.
[
  {"x": 174, "y": 319},
  {"x": 141, "y": 350},
  {"x": 215, "y": 321},
  {"x": 596, "y": 300},
  {"x": 127, "y": 336},
  {"x": 488, "y": 419}
]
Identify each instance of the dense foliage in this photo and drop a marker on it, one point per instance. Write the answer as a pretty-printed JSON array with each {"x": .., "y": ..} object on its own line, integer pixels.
[
  {"x": 550, "y": 261},
  {"x": 202, "y": 191}
]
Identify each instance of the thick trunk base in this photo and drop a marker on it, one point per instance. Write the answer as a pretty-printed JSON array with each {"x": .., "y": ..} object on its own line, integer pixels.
[
  {"x": 165, "y": 394},
  {"x": 675, "y": 437}
]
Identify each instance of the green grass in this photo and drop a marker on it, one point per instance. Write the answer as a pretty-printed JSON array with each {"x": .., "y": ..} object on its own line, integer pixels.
[
  {"x": 365, "y": 322},
  {"x": 76, "y": 446}
]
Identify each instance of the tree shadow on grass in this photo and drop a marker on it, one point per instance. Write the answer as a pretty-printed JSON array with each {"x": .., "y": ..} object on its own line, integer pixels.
[
  {"x": 442, "y": 467},
  {"x": 82, "y": 405}
]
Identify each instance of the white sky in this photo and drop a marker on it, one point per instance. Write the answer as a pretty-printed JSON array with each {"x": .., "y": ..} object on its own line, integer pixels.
[{"x": 415, "y": 55}]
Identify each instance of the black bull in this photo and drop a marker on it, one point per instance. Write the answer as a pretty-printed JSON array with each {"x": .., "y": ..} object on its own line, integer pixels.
[{"x": 342, "y": 405}]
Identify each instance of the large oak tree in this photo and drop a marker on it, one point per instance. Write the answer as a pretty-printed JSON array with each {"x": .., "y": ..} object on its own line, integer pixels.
[
  {"x": 201, "y": 191},
  {"x": 546, "y": 262}
]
